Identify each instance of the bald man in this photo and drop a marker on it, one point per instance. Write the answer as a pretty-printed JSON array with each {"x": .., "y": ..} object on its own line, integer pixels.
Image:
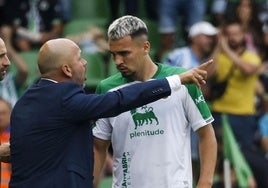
[{"x": 51, "y": 137}]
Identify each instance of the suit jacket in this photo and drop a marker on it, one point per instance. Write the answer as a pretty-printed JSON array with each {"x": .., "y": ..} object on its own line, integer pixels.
[{"x": 51, "y": 137}]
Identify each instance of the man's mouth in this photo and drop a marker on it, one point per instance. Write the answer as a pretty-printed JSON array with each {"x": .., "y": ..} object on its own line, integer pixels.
[{"x": 122, "y": 69}]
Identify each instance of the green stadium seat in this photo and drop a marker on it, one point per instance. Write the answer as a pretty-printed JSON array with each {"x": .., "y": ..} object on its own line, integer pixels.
[
  {"x": 83, "y": 8},
  {"x": 90, "y": 9}
]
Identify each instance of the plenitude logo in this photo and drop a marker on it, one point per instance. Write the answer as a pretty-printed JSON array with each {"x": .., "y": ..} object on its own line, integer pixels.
[
  {"x": 144, "y": 116},
  {"x": 146, "y": 133}
]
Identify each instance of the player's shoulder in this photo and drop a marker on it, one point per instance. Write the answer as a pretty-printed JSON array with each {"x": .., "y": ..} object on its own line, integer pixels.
[
  {"x": 110, "y": 83},
  {"x": 169, "y": 70}
]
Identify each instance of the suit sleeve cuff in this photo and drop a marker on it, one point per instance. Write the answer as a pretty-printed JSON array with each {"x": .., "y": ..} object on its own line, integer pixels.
[{"x": 174, "y": 82}]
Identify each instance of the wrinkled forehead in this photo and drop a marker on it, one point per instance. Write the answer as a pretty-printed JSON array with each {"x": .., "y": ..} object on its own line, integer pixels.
[
  {"x": 3, "y": 49},
  {"x": 2, "y": 44}
]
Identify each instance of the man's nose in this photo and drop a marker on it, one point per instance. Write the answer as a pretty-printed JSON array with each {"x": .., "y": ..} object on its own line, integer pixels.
[
  {"x": 6, "y": 61},
  {"x": 84, "y": 62},
  {"x": 118, "y": 59}
]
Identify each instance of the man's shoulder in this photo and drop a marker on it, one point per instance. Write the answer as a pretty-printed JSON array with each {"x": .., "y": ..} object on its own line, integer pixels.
[
  {"x": 57, "y": 87},
  {"x": 110, "y": 83},
  {"x": 168, "y": 70},
  {"x": 249, "y": 55}
]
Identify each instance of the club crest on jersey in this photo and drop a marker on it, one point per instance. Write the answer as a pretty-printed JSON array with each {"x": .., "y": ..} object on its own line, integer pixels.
[{"x": 145, "y": 116}]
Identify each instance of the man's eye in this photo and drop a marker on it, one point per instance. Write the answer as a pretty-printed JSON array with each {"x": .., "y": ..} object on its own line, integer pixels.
[{"x": 124, "y": 53}]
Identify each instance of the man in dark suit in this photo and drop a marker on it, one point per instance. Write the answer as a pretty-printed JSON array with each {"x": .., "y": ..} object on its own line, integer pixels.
[{"x": 51, "y": 137}]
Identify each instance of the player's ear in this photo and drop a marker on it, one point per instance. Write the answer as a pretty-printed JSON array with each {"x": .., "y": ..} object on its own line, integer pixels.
[{"x": 146, "y": 46}]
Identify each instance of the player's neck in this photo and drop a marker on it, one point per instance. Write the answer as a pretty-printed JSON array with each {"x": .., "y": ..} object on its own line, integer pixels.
[{"x": 147, "y": 72}]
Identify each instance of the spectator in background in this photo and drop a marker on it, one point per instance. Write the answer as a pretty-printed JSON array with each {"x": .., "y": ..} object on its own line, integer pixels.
[
  {"x": 251, "y": 14},
  {"x": 238, "y": 101},
  {"x": 5, "y": 112},
  {"x": 4, "y": 61},
  {"x": 13, "y": 84},
  {"x": 202, "y": 38},
  {"x": 11, "y": 87},
  {"x": 43, "y": 21},
  {"x": 247, "y": 14},
  {"x": 218, "y": 8},
  {"x": 4, "y": 65},
  {"x": 66, "y": 10},
  {"x": 191, "y": 11}
]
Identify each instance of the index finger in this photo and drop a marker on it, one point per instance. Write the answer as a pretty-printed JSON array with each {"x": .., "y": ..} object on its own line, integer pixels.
[{"x": 205, "y": 65}]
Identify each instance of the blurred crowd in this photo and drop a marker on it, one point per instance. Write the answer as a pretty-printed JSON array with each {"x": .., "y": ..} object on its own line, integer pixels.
[{"x": 232, "y": 32}]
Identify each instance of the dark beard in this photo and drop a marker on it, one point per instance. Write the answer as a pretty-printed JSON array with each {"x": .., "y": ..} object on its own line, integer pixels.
[
  {"x": 234, "y": 46},
  {"x": 237, "y": 46},
  {"x": 128, "y": 77}
]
